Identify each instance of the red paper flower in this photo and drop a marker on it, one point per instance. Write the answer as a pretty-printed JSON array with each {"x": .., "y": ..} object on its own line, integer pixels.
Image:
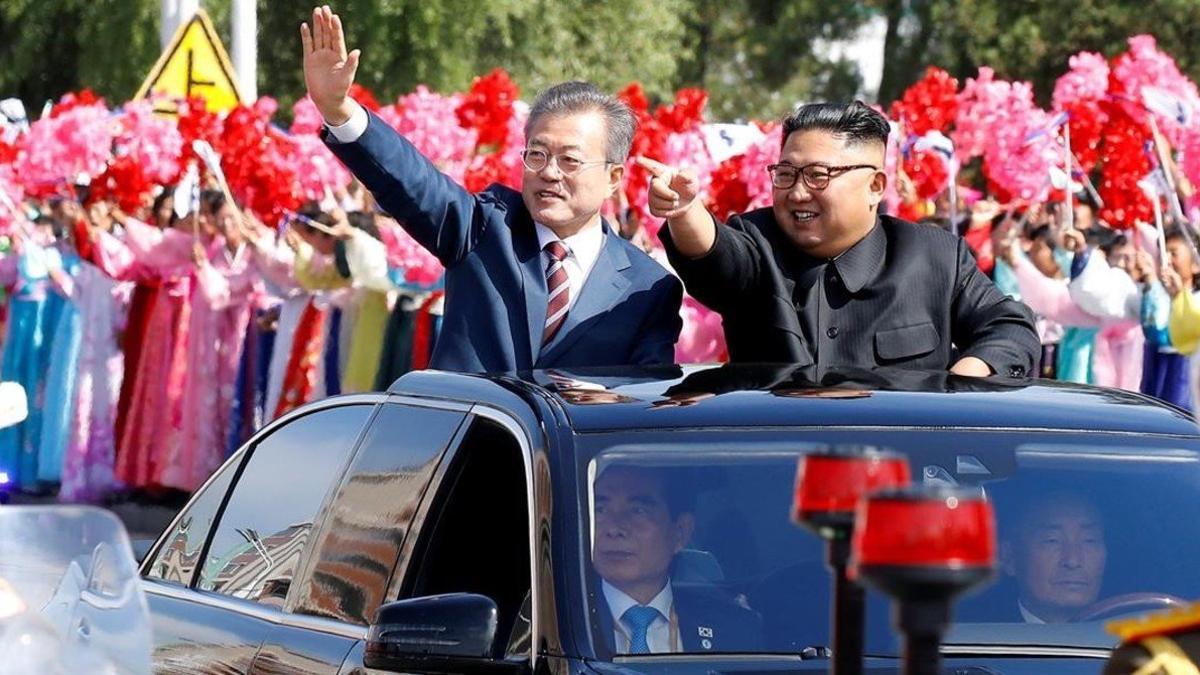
[
  {"x": 1087, "y": 122},
  {"x": 123, "y": 182},
  {"x": 686, "y": 113},
  {"x": 364, "y": 97},
  {"x": 1123, "y": 163},
  {"x": 488, "y": 107},
  {"x": 74, "y": 100},
  {"x": 728, "y": 193},
  {"x": 930, "y": 104},
  {"x": 197, "y": 123},
  {"x": 928, "y": 173}
]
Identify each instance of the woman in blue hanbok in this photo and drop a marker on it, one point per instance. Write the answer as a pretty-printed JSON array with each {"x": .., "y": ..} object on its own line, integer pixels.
[
  {"x": 58, "y": 405},
  {"x": 32, "y": 316}
]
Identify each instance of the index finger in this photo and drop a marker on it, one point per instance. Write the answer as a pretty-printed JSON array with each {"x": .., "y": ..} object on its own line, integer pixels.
[{"x": 656, "y": 168}]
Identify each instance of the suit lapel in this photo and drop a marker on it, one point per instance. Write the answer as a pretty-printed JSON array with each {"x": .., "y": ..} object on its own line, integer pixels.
[
  {"x": 604, "y": 286},
  {"x": 533, "y": 282}
]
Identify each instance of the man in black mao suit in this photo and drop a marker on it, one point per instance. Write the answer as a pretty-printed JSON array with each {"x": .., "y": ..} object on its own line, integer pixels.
[
  {"x": 639, "y": 608},
  {"x": 821, "y": 278}
]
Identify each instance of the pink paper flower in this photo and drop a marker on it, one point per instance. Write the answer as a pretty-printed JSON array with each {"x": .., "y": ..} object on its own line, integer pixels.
[
  {"x": 316, "y": 168},
  {"x": 305, "y": 117},
  {"x": 153, "y": 142},
  {"x": 1086, "y": 80},
  {"x": 702, "y": 339},
  {"x": 429, "y": 121},
  {"x": 58, "y": 149},
  {"x": 403, "y": 252},
  {"x": 1145, "y": 67}
]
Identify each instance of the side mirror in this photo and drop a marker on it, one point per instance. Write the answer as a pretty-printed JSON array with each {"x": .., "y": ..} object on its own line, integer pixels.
[{"x": 452, "y": 633}]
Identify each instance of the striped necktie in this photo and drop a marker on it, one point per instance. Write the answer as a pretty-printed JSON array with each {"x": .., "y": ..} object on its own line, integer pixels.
[{"x": 558, "y": 288}]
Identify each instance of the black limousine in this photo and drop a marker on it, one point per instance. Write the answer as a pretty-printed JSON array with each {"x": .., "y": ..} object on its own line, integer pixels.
[{"x": 639, "y": 521}]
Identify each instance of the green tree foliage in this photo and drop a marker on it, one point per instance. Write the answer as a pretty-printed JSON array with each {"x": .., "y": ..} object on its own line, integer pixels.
[
  {"x": 50, "y": 47},
  {"x": 757, "y": 58}
]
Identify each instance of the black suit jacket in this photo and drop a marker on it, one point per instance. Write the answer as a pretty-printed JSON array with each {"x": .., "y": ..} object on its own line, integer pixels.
[
  {"x": 704, "y": 613},
  {"x": 905, "y": 295}
]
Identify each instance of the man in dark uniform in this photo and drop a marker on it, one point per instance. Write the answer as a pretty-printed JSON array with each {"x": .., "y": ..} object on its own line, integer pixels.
[{"x": 821, "y": 278}]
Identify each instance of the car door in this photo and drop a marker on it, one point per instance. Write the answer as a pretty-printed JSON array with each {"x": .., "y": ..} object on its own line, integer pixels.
[
  {"x": 473, "y": 534},
  {"x": 360, "y": 535},
  {"x": 217, "y": 578}
]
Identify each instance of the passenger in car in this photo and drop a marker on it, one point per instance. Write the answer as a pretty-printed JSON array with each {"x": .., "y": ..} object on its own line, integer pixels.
[
  {"x": 641, "y": 524},
  {"x": 1056, "y": 554}
]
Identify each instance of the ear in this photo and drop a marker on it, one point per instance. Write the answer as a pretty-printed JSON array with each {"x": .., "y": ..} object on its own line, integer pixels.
[
  {"x": 685, "y": 525},
  {"x": 876, "y": 188},
  {"x": 616, "y": 174}
]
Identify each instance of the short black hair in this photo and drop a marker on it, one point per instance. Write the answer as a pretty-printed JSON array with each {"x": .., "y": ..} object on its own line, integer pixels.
[
  {"x": 855, "y": 122},
  {"x": 364, "y": 221},
  {"x": 1044, "y": 234},
  {"x": 211, "y": 201}
]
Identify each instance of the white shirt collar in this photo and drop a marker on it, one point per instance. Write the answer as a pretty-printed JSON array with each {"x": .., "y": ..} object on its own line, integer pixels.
[
  {"x": 584, "y": 245},
  {"x": 1029, "y": 616},
  {"x": 619, "y": 602}
]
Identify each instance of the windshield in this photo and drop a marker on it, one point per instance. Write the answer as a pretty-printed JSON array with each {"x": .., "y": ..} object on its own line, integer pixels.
[{"x": 690, "y": 545}]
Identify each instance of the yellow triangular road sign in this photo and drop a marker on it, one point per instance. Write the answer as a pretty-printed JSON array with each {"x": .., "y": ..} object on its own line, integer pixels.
[{"x": 194, "y": 64}]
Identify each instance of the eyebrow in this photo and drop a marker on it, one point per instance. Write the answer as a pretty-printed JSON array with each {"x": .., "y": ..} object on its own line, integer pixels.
[{"x": 543, "y": 144}]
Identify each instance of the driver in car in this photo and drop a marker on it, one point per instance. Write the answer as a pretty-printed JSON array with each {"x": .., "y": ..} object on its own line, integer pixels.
[
  {"x": 641, "y": 524},
  {"x": 1056, "y": 553}
]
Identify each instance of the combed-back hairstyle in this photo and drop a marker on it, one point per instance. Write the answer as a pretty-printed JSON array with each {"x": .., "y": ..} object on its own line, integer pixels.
[{"x": 571, "y": 98}]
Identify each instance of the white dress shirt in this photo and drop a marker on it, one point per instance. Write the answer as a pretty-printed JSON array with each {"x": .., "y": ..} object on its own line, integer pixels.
[
  {"x": 351, "y": 129},
  {"x": 658, "y": 636},
  {"x": 1027, "y": 615}
]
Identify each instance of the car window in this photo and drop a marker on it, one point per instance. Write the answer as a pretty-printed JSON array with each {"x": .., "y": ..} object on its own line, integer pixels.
[
  {"x": 175, "y": 561},
  {"x": 476, "y": 536},
  {"x": 369, "y": 516},
  {"x": 697, "y": 526},
  {"x": 266, "y": 524}
]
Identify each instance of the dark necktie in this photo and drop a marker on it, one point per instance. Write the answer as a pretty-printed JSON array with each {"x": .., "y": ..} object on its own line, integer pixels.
[{"x": 558, "y": 288}]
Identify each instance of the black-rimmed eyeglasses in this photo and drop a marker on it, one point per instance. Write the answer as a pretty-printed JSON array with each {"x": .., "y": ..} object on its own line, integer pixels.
[{"x": 815, "y": 176}]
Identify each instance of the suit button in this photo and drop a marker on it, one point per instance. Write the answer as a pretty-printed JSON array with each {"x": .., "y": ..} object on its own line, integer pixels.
[{"x": 831, "y": 332}]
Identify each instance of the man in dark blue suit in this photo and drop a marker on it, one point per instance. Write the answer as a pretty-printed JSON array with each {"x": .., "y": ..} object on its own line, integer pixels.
[
  {"x": 535, "y": 279},
  {"x": 641, "y": 526}
]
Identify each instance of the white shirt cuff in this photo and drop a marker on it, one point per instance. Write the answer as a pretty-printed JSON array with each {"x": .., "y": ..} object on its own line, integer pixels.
[{"x": 351, "y": 129}]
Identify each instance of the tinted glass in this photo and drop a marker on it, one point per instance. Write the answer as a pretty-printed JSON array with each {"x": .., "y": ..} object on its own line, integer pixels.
[
  {"x": 259, "y": 543},
  {"x": 1081, "y": 529},
  {"x": 358, "y": 545},
  {"x": 176, "y": 560}
]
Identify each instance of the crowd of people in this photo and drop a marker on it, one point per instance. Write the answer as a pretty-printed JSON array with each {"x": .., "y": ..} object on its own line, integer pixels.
[{"x": 155, "y": 337}]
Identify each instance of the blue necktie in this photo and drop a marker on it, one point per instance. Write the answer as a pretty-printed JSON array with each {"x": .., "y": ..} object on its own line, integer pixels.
[{"x": 638, "y": 618}]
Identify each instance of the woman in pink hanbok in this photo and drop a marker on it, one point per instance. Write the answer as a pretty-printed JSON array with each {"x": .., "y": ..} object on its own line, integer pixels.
[
  {"x": 89, "y": 460},
  {"x": 227, "y": 289},
  {"x": 164, "y": 257}
]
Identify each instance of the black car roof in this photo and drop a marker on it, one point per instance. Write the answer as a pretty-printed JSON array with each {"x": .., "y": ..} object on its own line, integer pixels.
[{"x": 605, "y": 399}]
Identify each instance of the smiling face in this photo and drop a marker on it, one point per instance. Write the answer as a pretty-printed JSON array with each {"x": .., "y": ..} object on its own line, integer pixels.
[
  {"x": 568, "y": 204},
  {"x": 825, "y": 223},
  {"x": 1058, "y": 558},
  {"x": 637, "y": 537}
]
